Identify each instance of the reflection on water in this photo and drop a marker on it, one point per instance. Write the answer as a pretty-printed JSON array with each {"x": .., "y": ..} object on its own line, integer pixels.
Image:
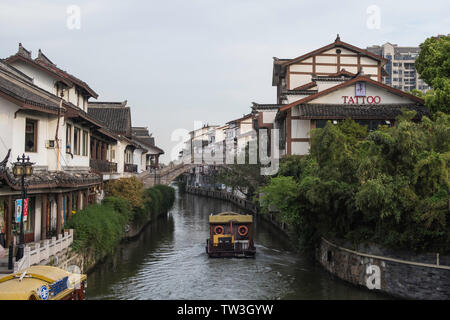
[{"x": 169, "y": 261}]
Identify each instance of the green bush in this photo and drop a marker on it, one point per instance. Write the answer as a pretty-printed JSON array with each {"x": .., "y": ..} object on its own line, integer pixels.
[
  {"x": 155, "y": 200},
  {"x": 99, "y": 227},
  {"x": 168, "y": 196},
  {"x": 389, "y": 186},
  {"x": 121, "y": 206}
]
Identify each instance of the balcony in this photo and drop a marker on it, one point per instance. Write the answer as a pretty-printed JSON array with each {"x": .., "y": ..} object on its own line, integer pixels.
[
  {"x": 128, "y": 167},
  {"x": 103, "y": 165}
]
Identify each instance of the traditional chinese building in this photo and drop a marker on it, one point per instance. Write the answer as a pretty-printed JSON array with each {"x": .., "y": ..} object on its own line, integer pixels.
[
  {"x": 133, "y": 146},
  {"x": 332, "y": 83},
  {"x": 151, "y": 157},
  {"x": 32, "y": 119}
]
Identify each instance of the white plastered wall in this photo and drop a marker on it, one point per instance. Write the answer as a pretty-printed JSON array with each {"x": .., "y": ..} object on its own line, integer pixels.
[{"x": 387, "y": 97}]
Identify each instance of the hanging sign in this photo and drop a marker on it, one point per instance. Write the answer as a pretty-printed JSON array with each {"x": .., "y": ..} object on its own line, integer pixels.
[{"x": 19, "y": 210}]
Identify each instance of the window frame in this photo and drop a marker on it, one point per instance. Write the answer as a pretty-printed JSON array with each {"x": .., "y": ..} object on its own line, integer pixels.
[
  {"x": 76, "y": 141},
  {"x": 84, "y": 140},
  {"x": 68, "y": 137},
  {"x": 34, "y": 122}
]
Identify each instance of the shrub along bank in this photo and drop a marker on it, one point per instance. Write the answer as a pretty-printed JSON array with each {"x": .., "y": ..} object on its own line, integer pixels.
[{"x": 99, "y": 228}]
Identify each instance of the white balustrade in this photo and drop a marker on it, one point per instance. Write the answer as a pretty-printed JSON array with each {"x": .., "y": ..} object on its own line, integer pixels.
[{"x": 44, "y": 251}]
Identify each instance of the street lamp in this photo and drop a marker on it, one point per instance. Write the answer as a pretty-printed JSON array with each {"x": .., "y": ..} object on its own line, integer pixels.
[{"x": 21, "y": 169}]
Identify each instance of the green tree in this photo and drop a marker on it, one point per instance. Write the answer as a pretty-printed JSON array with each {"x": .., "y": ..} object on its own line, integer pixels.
[
  {"x": 433, "y": 65},
  {"x": 130, "y": 189},
  {"x": 390, "y": 186},
  {"x": 244, "y": 177}
]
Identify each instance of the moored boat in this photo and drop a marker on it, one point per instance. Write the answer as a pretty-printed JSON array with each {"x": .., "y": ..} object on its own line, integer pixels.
[
  {"x": 43, "y": 283},
  {"x": 231, "y": 235}
]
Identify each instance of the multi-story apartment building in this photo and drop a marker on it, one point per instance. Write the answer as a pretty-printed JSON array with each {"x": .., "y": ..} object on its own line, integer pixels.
[{"x": 400, "y": 70}]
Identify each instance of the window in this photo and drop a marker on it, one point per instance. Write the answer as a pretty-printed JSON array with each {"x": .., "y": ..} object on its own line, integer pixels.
[
  {"x": 76, "y": 141},
  {"x": 30, "y": 135},
  {"x": 128, "y": 156},
  {"x": 113, "y": 155},
  {"x": 85, "y": 143},
  {"x": 68, "y": 138}
]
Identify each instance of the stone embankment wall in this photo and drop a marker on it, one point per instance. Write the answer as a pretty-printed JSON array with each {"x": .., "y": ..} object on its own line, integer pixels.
[{"x": 399, "y": 274}]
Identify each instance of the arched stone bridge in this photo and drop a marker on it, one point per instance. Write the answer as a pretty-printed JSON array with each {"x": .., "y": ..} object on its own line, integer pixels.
[{"x": 165, "y": 175}]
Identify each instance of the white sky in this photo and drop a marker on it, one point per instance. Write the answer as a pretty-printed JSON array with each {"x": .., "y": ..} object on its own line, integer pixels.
[{"x": 178, "y": 61}]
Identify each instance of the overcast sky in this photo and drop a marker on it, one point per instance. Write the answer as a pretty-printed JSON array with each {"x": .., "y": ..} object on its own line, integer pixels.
[{"x": 178, "y": 61}]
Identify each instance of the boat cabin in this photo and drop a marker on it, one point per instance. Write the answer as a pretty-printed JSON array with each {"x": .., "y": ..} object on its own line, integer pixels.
[
  {"x": 43, "y": 283},
  {"x": 231, "y": 235}
]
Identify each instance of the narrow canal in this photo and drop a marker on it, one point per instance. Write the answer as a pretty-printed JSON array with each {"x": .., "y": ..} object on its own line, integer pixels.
[{"x": 168, "y": 261}]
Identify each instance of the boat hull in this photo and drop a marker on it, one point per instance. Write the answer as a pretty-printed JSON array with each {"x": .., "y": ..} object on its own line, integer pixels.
[{"x": 229, "y": 252}]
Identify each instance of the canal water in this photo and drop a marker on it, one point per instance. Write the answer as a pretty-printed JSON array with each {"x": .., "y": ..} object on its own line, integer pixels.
[{"x": 168, "y": 261}]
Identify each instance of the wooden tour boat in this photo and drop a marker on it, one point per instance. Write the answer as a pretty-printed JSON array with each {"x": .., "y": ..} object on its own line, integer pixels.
[
  {"x": 231, "y": 235},
  {"x": 43, "y": 283}
]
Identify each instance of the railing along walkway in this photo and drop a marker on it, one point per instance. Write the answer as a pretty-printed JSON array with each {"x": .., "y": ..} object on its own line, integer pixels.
[{"x": 44, "y": 250}]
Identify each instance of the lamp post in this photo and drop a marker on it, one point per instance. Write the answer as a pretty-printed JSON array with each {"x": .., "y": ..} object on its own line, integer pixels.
[{"x": 21, "y": 169}]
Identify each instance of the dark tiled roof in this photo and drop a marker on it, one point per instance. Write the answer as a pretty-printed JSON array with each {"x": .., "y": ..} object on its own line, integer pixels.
[
  {"x": 306, "y": 86},
  {"x": 257, "y": 106},
  {"x": 300, "y": 92},
  {"x": 140, "y": 131},
  {"x": 141, "y": 135},
  {"x": 245, "y": 116},
  {"x": 26, "y": 96},
  {"x": 152, "y": 149},
  {"x": 337, "y": 44},
  {"x": 387, "y": 111},
  {"x": 52, "y": 67},
  {"x": 342, "y": 77},
  {"x": 6, "y": 67},
  {"x": 117, "y": 119},
  {"x": 47, "y": 179},
  {"x": 45, "y": 63},
  {"x": 148, "y": 141}
]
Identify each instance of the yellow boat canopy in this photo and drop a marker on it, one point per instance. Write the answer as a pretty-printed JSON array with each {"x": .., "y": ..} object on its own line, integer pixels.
[
  {"x": 225, "y": 217},
  {"x": 40, "y": 283}
]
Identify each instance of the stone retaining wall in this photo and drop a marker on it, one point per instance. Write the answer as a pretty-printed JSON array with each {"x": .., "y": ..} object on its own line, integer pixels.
[{"x": 399, "y": 274}]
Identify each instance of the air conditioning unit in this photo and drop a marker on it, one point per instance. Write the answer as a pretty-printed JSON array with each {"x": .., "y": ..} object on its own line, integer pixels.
[{"x": 51, "y": 144}]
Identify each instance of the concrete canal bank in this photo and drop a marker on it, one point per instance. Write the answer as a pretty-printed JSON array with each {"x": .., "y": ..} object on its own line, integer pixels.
[{"x": 399, "y": 274}]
